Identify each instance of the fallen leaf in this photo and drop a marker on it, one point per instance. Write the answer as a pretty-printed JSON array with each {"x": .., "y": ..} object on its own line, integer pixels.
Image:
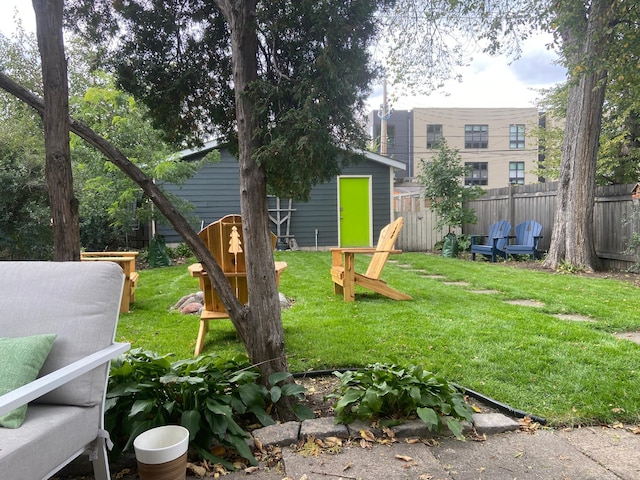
[
  {"x": 368, "y": 435},
  {"x": 476, "y": 409},
  {"x": 197, "y": 470},
  {"x": 412, "y": 440},
  {"x": 518, "y": 455},
  {"x": 425, "y": 476},
  {"x": 250, "y": 470},
  {"x": 258, "y": 444},
  {"x": 364, "y": 443},
  {"x": 333, "y": 442},
  {"x": 347, "y": 466},
  {"x": 389, "y": 433},
  {"x": 404, "y": 458},
  {"x": 123, "y": 472},
  {"x": 618, "y": 425},
  {"x": 635, "y": 430}
]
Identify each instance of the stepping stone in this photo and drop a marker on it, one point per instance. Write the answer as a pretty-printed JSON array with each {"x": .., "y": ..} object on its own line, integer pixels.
[
  {"x": 434, "y": 277},
  {"x": 486, "y": 292},
  {"x": 525, "y": 303},
  {"x": 458, "y": 284},
  {"x": 631, "y": 336},
  {"x": 418, "y": 270},
  {"x": 403, "y": 265},
  {"x": 574, "y": 318}
]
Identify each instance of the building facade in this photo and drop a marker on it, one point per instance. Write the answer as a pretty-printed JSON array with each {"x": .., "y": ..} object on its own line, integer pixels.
[{"x": 498, "y": 145}]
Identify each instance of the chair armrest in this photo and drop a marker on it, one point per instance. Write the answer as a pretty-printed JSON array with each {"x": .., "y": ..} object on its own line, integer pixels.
[{"x": 40, "y": 386}]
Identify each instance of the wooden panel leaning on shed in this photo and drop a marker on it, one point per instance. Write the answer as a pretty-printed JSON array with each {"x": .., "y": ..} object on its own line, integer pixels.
[
  {"x": 224, "y": 240},
  {"x": 127, "y": 261},
  {"x": 343, "y": 266}
]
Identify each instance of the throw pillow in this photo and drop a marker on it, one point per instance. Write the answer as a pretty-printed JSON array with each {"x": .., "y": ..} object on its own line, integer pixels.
[{"x": 20, "y": 362}]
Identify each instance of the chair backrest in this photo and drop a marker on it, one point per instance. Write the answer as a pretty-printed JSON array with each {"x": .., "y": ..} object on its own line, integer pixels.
[
  {"x": 79, "y": 302},
  {"x": 526, "y": 232},
  {"x": 499, "y": 230},
  {"x": 225, "y": 241},
  {"x": 386, "y": 241}
]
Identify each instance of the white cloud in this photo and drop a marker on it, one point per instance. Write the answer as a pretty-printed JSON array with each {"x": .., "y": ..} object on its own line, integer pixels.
[
  {"x": 25, "y": 13},
  {"x": 491, "y": 82}
]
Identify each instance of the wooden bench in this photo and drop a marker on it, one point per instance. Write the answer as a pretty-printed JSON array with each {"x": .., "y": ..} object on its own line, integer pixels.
[
  {"x": 127, "y": 261},
  {"x": 224, "y": 240},
  {"x": 65, "y": 413},
  {"x": 343, "y": 271}
]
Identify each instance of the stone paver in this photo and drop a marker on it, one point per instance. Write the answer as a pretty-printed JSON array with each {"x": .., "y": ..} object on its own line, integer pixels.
[{"x": 525, "y": 303}]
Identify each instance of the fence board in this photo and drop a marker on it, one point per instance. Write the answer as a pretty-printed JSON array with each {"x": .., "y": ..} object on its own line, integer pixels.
[{"x": 612, "y": 232}]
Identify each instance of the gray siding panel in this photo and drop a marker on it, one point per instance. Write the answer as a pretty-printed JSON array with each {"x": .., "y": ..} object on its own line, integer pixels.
[{"x": 214, "y": 191}]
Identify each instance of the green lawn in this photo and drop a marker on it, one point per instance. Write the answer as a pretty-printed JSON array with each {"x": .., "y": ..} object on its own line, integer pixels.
[{"x": 566, "y": 371}]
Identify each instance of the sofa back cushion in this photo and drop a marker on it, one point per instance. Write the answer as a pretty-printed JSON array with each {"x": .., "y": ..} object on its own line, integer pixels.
[{"x": 77, "y": 301}]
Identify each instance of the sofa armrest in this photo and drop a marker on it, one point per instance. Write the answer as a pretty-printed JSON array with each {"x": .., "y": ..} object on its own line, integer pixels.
[{"x": 53, "y": 380}]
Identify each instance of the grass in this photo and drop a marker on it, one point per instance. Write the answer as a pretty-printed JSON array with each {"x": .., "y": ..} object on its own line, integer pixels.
[{"x": 569, "y": 372}]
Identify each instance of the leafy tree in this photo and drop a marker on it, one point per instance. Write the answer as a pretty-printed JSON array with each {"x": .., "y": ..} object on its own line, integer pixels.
[
  {"x": 281, "y": 81},
  {"x": 440, "y": 177},
  {"x": 595, "y": 38}
]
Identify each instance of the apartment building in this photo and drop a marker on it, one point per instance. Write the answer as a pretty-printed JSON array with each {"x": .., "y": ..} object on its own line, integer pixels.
[
  {"x": 399, "y": 138},
  {"x": 496, "y": 144}
]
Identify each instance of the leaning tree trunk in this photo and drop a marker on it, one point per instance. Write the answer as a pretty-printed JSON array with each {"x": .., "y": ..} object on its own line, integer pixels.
[
  {"x": 59, "y": 177},
  {"x": 262, "y": 331},
  {"x": 572, "y": 240}
]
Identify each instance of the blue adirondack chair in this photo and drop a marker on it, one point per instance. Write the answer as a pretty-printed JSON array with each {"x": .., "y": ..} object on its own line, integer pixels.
[
  {"x": 525, "y": 242},
  {"x": 494, "y": 243}
]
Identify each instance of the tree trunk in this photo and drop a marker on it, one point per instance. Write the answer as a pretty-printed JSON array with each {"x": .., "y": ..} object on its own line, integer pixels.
[
  {"x": 262, "y": 332},
  {"x": 59, "y": 176},
  {"x": 572, "y": 240}
]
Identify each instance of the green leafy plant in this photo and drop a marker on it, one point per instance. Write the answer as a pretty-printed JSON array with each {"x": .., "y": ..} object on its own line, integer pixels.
[
  {"x": 391, "y": 394},
  {"x": 215, "y": 397}
]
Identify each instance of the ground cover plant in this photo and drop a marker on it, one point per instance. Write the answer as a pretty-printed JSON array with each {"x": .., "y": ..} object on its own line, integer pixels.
[{"x": 569, "y": 372}]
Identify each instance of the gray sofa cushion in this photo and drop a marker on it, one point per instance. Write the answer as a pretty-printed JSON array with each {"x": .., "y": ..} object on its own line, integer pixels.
[
  {"x": 29, "y": 452},
  {"x": 77, "y": 305}
]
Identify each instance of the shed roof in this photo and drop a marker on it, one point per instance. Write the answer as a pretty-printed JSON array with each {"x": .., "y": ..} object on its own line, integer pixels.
[{"x": 376, "y": 157}]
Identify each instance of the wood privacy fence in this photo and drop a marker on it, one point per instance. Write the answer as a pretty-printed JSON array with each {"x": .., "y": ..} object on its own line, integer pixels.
[{"x": 613, "y": 206}]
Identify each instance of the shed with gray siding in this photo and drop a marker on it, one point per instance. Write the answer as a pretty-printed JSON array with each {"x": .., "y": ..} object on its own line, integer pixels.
[{"x": 215, "y": 192}]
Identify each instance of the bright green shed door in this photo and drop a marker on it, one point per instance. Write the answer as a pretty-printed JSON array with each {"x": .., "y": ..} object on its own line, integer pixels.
[{"x": 354, "y": 204}]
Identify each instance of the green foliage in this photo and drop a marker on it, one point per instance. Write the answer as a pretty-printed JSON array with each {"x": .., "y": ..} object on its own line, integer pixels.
[
  {"x": 441, "y": 178},
  {"x": 215, "y": 397},
  {"x": 310, "y": 87},
  {"x": 390, "y": 394}
]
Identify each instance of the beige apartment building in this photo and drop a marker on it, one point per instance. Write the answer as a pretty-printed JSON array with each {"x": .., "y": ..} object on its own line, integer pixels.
[{"x": 497, "y": 144}]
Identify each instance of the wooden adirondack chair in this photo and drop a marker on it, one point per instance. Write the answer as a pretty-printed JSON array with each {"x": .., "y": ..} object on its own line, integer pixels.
[
  {"x": 525, "y": 241},
  {"x": 224, "y": 240},
  {"x": 495, "y": 243},
  {"x": 343, "y": 266}
]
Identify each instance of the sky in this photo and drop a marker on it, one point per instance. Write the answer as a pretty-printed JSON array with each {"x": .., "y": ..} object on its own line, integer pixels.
[{"x": 488, "y": 82}]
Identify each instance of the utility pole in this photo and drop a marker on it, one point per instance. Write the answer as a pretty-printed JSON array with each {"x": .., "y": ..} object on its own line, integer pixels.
[{"x": 384, "y": 113}]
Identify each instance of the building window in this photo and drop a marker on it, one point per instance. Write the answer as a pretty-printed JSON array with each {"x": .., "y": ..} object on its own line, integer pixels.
[
  {"x": 516, "y": 136},
  {"x": 391, "y": 135},
  {"x": 477, "y": 173},
  {"x": 516, "y": 173},
  {"x": 476, "y": 136},
  {"x": 434, "y": 135}
]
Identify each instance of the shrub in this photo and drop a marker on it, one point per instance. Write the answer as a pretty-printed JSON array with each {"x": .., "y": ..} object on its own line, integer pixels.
[
  {"x": 212, "y": 396},
  {"x": 392, "y": 394}
]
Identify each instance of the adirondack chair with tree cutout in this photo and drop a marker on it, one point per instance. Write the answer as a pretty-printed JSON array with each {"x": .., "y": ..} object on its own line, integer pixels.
[
  {"x": 495, "y": 241},
  {"x": 343, "y": 266},
  {"x": 224, "y": 240},
  {"x": 525, "y": 241}
]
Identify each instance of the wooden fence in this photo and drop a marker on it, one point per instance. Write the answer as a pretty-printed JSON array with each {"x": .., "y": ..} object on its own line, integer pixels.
[{"x": 613, "y": 205}]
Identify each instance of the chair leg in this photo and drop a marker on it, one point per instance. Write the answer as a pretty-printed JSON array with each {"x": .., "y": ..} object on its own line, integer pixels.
[
  {"x": 202, "y": 333},
  {"x": 101, "y": 464}
]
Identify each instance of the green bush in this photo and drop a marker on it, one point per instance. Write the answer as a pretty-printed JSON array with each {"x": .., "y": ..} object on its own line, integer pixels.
[
  {"x": 392, "y": 394},
  {"x": 212, "y": 396}
]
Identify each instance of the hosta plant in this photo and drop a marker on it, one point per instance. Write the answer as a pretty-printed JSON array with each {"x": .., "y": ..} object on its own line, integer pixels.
[
  {"x": 213, "y": 396},
  {"x": 391, "y": 394}
]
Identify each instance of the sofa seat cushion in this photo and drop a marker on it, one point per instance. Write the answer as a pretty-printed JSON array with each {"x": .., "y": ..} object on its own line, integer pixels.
[{"x": 29, "y": 452}]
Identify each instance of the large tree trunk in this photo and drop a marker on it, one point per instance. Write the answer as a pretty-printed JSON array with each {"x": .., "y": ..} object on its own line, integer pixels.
[
  {"x": 572, "y": 240},
  {"x": 262, "y": 332},
  {"x": 59, "y": 177}
]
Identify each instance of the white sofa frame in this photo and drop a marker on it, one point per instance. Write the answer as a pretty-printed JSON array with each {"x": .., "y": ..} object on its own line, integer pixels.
[{"x": 80, "y": 303}]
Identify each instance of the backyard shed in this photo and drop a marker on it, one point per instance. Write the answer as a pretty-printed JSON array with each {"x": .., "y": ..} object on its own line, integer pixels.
[{"x": 350, "y": 210}]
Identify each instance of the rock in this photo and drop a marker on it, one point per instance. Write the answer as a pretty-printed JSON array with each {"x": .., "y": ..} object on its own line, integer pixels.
[{"x": 193, "y": 307}]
